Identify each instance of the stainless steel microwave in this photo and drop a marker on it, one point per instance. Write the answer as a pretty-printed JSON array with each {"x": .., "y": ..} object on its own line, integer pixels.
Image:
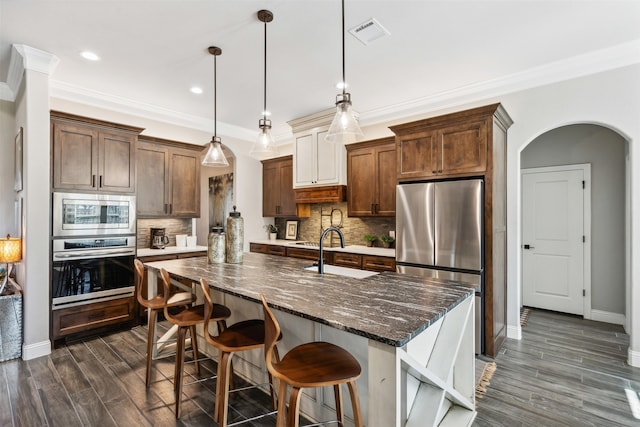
[{"x": 79, "y": 214}]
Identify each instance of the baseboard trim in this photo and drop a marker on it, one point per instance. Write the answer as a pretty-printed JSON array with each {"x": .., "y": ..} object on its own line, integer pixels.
[
  {"x": 608, "y": 317},
  {"x": 514, "y": 332},
  {"x": 32, "y": 351},
  {"x": 634, "y": 358}
]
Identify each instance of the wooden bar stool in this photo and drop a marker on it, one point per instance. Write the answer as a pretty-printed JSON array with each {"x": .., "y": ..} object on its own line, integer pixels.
[
  {"x": 241, "y": 336},
  {"x": 314, "y": 364},
  {"x": 156, "y": 304},
  {"x": 186, "y": 320}
]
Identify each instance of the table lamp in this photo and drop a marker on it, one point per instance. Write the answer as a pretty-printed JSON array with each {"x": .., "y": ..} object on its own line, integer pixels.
[{"x": 10, "y": 252}]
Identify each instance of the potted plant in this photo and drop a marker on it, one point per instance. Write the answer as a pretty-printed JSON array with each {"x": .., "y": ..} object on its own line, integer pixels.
[
  {"x": 387, "y": 241},
  {"x": 370, "y": 239},
  {"x": 272, "y": 229}
]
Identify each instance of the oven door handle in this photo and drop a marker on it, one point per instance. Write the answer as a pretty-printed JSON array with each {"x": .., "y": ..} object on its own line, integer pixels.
[{"x": 93, "y": 254}]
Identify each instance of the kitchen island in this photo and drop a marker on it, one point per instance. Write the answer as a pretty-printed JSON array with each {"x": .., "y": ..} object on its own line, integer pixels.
[{"x": 413, "y": 336}]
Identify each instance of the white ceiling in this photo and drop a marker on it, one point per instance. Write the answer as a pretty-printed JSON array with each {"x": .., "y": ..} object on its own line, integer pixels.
[{"x": 153, "y": 51}]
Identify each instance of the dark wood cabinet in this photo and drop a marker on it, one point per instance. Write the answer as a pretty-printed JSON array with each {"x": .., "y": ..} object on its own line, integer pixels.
[
  {"x": 469, "y": 143},
  {"x": 92, "y": 155},
  {"x": 277, "y": 188},
  {"x": 454, "y": 145},
  {"x": 88, "y": 317},
  {"x": 344, "y": 259},
  {"x": 378, "y": 263},
  {"x": 168, "y": 179},
  {"x": 268, "y": 249},
  {"x": 371, "y": 178},
  {"x": 305, "y": 253}
]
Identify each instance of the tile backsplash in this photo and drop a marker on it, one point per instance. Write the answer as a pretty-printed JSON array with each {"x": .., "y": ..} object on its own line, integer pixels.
[{"x": 324, "y": 215}]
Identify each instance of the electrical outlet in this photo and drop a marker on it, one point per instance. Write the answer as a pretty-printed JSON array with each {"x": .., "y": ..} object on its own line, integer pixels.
[{"x": 392, "y": 233}]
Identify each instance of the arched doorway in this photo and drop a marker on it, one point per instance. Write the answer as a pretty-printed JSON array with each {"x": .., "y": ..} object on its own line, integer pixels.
[{"x": 605, "y": 151}]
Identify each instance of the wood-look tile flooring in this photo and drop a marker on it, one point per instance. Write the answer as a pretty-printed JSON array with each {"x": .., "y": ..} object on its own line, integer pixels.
[{"x": 565, "y": 372}]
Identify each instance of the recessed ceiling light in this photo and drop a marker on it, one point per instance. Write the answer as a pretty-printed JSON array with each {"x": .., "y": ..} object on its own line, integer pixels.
[
  {"x": 197, "y": 90},
  {"x": 90, "y": 56}
]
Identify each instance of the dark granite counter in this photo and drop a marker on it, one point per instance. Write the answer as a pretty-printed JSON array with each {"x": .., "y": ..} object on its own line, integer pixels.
[{"x": 390, "y": 308}]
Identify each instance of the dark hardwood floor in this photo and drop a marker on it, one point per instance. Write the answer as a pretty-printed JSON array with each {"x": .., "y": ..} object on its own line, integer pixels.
[{"x": 565, "y": 372}]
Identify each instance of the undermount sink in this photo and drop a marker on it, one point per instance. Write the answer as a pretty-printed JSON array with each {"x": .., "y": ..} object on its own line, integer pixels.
[{"x": 343, "y": 271}]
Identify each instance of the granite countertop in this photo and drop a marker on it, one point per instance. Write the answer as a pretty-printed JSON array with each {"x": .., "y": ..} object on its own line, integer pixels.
[
  {"x": 389, "y": 307},
  {"x": 170, "y": 250},
  {"x": 354, "y": 249}
]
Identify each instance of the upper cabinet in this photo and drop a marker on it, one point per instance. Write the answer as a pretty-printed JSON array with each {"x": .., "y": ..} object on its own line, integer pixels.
[
  {"x": 454, "y": 145},
  {"x": 371, "y": 177},
  {"x": 277, "y": 189},
  {"x": 168, "y": 177},
  {"x": 316, "y": 162},
  {"x": 92, "y": 155}
]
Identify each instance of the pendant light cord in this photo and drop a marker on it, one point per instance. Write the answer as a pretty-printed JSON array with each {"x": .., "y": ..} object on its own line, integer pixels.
[
  {"x": 215, "y": 95},
  {"x": 344, "y": 78},
  {"x": 264, "y": 111}
]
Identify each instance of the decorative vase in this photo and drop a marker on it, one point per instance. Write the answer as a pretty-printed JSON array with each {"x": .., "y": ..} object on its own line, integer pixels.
[
  {"x": 234, "y": 238},
  {"x": 273, "y": 236},
  {"x": 216, "y": 251},
  {"x": 387, "y": 244},
  {"x": 369, "y": 244}
]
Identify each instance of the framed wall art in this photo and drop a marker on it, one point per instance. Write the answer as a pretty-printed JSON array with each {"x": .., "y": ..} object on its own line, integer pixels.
[
  {"x": 17, "y": 186},
  {"x": 291, "y": 231}
]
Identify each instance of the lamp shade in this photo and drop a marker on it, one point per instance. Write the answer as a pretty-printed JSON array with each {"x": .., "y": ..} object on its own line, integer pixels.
[
  {"x": 264, "y": 146},
  {"x": 344, "y": 127},
  {"x": 215, "y": 156},
  {"x": 10, "y": 250}
]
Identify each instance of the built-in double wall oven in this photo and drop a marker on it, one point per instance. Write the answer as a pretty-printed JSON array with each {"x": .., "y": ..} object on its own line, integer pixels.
[{"x": 94, "y": 245}]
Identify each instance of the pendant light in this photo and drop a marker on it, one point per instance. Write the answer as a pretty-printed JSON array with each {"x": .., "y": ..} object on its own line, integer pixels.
[
  {"x": 215, "y": 157},
  {"x": 344, "y": 127},
  {"x": 264, "y": 146}
]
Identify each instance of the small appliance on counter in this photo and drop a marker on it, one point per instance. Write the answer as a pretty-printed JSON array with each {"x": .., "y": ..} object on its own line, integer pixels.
[{"x": 158, "y": 239}]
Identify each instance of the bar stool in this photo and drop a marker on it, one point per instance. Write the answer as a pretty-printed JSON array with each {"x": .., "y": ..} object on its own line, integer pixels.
[
  {"x": 314, "y": 364},
  {"x": 241, "y": 336},
  {"x": 186, "y": 320},
  {"x": 154, "y": 305}
]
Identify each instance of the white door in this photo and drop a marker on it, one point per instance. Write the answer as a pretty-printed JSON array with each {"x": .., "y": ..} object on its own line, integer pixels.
[{"x": 553, "y": 235}]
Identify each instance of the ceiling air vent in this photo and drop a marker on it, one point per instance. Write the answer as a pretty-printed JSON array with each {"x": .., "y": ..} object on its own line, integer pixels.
[{"x": 369, "y": 31}]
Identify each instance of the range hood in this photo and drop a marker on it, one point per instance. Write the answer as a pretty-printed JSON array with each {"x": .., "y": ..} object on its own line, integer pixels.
[{"x": 325, "y": 194}]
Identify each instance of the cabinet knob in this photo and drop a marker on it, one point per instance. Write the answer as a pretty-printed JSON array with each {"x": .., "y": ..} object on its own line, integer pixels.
[{"x": 93, "y": 180}]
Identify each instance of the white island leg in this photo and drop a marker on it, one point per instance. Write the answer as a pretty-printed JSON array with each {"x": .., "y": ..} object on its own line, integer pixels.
[{"x": 429, "y": 381}]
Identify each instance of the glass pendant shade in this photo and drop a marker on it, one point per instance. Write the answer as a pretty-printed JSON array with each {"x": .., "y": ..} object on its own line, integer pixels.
[
  {"x": 264, "y": 145},
  {"x": 344, "y": 126},
  {"x": 215, "y": 156}
]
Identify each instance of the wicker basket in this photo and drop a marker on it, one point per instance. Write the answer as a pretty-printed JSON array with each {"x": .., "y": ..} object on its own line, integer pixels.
[{"x": 11, "y": 322}]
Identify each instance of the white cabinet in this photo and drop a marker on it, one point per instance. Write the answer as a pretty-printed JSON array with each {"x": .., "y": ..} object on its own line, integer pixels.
[{"x": 316, "y": 162}]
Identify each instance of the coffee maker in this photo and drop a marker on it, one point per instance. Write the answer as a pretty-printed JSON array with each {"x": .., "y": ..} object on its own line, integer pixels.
[{"x": 158, "y": 238}]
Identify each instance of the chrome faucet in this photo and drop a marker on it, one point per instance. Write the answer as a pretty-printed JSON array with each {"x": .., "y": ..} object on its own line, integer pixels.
[{"x": 324, "y": 233}]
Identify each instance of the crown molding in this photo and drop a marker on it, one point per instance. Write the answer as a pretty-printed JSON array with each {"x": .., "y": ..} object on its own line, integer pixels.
[
  {"x": 24, "y": 58},
  {"x": 578, "y": 66},
  {"x": 80, "y": 95}
]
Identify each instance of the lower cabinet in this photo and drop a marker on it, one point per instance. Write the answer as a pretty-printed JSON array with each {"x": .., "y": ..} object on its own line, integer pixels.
[
  {"x": 82, "y": 318},
  {"x": 267, "y": 249},
  {"x": 342, "y": 259},
  {"x": 305, "y": 253},
  {"x": 364, "y": 262},
  {"x": 378, "y": 263}
]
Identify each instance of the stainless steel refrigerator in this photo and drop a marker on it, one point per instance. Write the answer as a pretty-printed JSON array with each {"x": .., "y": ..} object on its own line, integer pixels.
[{"x": 439, "y": 233}]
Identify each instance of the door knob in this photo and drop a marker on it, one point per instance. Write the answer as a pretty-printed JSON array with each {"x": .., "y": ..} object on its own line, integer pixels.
[{"x": 528, "y": 247}]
